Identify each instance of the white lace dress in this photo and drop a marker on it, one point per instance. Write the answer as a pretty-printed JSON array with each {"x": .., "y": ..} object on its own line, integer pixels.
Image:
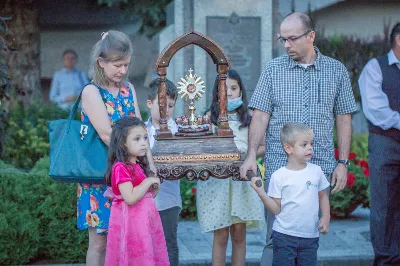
[{"x": 223, "y": 202}]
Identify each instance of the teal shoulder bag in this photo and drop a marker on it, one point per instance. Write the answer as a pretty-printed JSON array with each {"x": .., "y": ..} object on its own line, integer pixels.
[{"x": 77, "y": 154}]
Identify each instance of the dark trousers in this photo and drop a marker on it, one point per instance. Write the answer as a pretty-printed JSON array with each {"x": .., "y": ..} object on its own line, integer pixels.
[
  {"x": 169, "y": 220},
  {"x": 292, "y": 250},
  {"x": 384, "y": 163}
]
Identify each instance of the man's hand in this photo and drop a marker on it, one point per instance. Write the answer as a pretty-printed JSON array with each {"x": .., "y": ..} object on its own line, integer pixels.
[
  {"x": 339, "y": 177},
  {"x": 156, "y": 188},
  {"x": 323, "y": 225},
  {"x": 154, "y": 184},
  {"x": 249, "y": 164},
  {"x": 153, "y": 169},
  {"x": 253, "y": 184}
]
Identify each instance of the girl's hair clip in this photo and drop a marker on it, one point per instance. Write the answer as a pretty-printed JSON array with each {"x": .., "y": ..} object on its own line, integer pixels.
[{"x": 104, "y": 35}]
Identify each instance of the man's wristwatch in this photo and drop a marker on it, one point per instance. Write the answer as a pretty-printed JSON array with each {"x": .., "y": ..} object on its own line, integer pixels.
[{"x": 345, "y": 162}]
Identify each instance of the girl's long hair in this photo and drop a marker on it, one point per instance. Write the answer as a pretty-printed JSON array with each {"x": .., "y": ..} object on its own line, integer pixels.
[
  {"x": 118, "y": 152},
  {"x": 243, "y": 111}
]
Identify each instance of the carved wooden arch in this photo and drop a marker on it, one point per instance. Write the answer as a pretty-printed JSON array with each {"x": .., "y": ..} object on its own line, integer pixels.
[{"x": 219, "y": 58}]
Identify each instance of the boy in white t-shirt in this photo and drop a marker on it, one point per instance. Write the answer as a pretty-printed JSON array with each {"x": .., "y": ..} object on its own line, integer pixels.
[
  {"x": 168, "y": 200},
  {"x": 296, "y": 192}
]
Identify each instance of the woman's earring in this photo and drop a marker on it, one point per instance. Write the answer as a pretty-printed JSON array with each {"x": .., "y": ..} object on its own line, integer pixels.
[{"x": 102, "y": 74}]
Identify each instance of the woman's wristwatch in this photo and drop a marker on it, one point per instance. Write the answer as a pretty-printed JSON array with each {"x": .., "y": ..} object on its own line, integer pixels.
[{"x": 345, "y": 162}]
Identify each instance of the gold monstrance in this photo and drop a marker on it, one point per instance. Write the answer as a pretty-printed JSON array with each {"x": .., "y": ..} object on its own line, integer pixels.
[{"x": 191, "y": 87}]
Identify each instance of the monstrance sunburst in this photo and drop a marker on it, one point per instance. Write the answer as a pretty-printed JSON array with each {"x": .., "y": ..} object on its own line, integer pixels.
[{"x": 191, "y": 87}]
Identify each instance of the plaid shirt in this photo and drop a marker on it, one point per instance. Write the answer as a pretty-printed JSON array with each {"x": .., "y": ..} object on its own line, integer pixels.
[{"x": 313, "y": 95}]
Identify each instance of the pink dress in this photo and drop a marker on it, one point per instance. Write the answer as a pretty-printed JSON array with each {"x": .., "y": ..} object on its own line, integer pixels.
[{"x": 135, "y": 233}]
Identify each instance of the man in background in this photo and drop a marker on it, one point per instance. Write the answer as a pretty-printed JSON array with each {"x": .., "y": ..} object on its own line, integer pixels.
[{"x": 68, "y": 82}]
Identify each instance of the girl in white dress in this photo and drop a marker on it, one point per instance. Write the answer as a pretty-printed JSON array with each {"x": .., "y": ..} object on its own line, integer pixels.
[{"x": 225, "y": 206}]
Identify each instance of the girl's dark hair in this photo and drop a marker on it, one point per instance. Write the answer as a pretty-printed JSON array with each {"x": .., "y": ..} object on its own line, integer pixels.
[
  {"x": 118, "y": 152},
  {"x": 243, "y": 111}
]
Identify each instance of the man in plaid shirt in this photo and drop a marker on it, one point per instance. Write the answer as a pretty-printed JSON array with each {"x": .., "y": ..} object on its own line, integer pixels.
[{"x": 301, "y": 86}]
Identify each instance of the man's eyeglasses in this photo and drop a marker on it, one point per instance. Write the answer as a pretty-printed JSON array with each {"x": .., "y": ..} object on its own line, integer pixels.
[{"x": 292, "y": 39}]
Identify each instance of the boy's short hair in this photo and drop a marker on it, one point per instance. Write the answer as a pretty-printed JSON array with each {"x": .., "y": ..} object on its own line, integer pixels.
[
  {"x": 172, "y": 91},
  {"x": 291, "y": 130}
]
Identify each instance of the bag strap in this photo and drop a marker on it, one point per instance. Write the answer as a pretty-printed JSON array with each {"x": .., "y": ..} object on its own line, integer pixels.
[
  {"x": 81, "y": 78},
  {"x": 76, "y": 104},
  {"x": 77, "y": 101}
]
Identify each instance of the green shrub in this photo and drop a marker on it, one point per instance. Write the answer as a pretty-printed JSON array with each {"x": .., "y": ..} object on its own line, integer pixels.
[
  {"x": 356, "y": 192},
  {"x": 188, "y": 194},
  {"x": 18, "y": 227},
  {"x": 353, "y": 53},
  {"x": 359, "y": 145},
  {"x": 41, "y": 214},
  {"x": 26, "y": 139}
]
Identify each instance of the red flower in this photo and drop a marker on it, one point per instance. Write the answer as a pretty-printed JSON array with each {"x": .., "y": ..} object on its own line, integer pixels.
[
  {"x": 364, "y": 164},
  {"x": 194, "y": 190},
  {"x": 351, "y": 178},
  {"x": 366, "y": 172},
  {"x": 357, "y": 162},
  {"x": 352, "y": 156},
  {"x": 124, "y": 92},
  {"x": 336, "y": 154},
  {"x": 94, "y": 204}
]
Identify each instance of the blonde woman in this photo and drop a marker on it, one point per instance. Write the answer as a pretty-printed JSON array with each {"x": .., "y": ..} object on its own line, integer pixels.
[{"x": 104, "y": 101}]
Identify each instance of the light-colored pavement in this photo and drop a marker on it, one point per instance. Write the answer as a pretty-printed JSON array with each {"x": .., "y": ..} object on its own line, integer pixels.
[{"x": 347, "y": 243}]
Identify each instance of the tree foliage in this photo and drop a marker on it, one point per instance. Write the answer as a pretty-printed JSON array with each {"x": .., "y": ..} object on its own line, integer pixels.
[
  {"x": 4, "y": 80},
  {"x": 150, "y": 12}
]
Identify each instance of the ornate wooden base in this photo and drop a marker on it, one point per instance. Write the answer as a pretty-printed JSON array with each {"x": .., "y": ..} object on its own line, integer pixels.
[
  {"x": 193, "y": 130},
  {"x": 199, "y": 171},
  {"x": 193, "y": 134},
  {"x": 197, "y": 158}
]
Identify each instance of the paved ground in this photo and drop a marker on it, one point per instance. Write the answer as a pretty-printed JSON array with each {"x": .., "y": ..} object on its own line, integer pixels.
[{"x": 347, "y": 243}]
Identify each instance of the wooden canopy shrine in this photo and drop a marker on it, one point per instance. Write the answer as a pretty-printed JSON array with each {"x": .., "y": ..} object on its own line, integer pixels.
[{"x": 198, "y": 157}]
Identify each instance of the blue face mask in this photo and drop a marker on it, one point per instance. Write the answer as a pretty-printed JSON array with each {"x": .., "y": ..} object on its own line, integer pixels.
[{"x": 234, "y": 103}]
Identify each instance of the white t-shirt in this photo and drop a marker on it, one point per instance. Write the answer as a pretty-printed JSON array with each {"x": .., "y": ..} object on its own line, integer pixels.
[
  {"x": 298, "y": 191},
  {"x": 169, "y": 194},
  {"x": 305, "y": 65}
]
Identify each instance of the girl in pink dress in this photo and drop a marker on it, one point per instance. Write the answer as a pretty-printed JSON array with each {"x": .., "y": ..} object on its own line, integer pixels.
[{"x": 135, "y": 234}]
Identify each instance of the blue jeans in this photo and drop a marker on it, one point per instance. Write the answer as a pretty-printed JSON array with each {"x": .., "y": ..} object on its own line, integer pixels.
[{"x": 292, "y": 250}]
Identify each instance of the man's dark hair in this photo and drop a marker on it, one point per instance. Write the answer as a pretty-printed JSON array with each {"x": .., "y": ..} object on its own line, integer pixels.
[
  {"x": 172, "y": 91},
  {"x": 394, "y": 33},
  {"x": 70, "y": 51},
  {"x": 305, "y": 20}
]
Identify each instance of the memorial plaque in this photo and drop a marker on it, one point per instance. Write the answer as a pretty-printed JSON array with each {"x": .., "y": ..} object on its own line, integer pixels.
[{"x": 240, "y": 38}]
